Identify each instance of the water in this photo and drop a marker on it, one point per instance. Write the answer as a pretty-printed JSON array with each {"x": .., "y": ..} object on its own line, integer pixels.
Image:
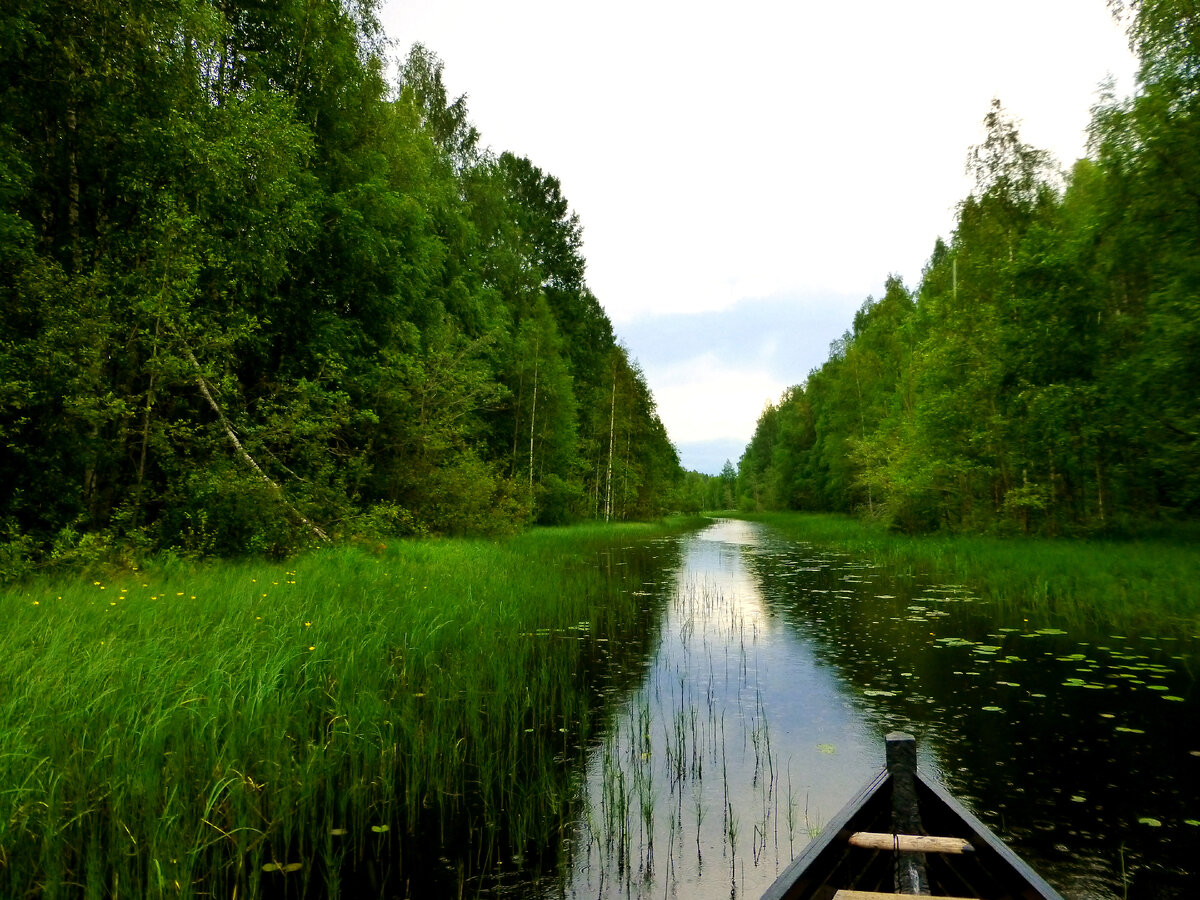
[{"x": 779, "y": 668}]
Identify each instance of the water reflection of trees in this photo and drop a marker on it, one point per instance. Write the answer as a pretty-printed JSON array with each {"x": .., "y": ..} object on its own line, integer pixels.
[{"x": 1041, "y": 762}]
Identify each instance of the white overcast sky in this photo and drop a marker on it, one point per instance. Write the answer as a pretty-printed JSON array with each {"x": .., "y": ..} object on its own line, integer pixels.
[{"x": 748, "y": 173}]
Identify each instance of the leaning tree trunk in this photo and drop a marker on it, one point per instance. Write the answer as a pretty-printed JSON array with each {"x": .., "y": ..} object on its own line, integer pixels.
[{"x": 241, "y": 451}]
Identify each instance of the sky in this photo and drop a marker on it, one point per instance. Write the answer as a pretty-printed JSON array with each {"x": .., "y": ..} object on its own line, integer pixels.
[{"x": 748, "y": 173}]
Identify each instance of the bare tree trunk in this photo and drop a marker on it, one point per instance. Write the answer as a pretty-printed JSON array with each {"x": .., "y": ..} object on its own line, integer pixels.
[
  {"x": 137, "y": 497},
  {"x": 596, "y": 485},
  {"x": 862, "y": 425},
  {"x": 512, "y": 471},
  {"x": 533, "y": 416},
  {"x": 73, "y": 188},
  {"x": 241, "y": 451},
  {"x": 625, "y": 461},
  {"x": 612, "y": 411},
  {"x": 90, "y": 474}
]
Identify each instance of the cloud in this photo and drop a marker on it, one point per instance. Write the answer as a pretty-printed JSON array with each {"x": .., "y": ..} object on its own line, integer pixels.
[
  {"x": 709, "y": 456},
  {"x": 713, "y": 372},
  {"x": 718, "y": 153},
  {"x": 707, "y": 398}
]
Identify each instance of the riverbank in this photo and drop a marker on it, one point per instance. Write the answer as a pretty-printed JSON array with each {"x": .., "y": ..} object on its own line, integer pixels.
[
  {"x": 258, "y": 728},
  {"x": 1149, "y": 584}
]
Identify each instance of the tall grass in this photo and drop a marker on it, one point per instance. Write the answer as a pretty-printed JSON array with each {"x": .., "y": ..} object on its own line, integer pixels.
[
  {"x": 257, "y": 729},
  {"x": 1150, "y": 583}
]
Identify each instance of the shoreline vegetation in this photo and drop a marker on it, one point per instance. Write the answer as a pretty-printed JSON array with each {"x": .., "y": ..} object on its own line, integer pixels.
[
  {"x": 259, "y": 728},
  {"x": 1145, "y": 583},
  {"x": 259, "y": 293},
  {"x": 1040, "y": 376}
]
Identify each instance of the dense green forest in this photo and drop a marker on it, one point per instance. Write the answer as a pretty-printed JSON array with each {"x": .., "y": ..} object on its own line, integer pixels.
[
  {"x": 254, "y": 295},
  {"x": 1045, "y": 373}
]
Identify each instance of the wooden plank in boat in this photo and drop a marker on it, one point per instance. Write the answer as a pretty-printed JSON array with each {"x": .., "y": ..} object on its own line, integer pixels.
[
  {"x": 833, "y": 832},
  {"x": 845, "y": 894},
  {"x": 991, "y": 872},
  {"x": 909, "y": 843}
]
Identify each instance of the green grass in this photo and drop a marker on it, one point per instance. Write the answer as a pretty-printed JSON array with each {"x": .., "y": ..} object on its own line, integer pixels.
[
  {"x": 1150, "y": 584},
  {"x": 189, "y": 731}
]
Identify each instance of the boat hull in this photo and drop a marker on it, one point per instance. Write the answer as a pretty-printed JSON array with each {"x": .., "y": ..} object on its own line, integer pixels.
[{"x": 990, "y": 871}]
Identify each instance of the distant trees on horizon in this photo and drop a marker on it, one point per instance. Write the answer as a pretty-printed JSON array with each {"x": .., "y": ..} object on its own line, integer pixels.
[{"x": 1045, "y": 373}]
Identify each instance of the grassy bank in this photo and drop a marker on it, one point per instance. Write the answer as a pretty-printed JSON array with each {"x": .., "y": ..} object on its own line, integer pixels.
[
  {"x": 259, "y": 729},
  {"x": 1150, "y": 584}
]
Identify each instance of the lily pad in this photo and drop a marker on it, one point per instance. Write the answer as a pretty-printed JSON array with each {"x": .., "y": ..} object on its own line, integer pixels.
[
  {"x": 1149, "y": 820},
  {"x": 1079, "y": 682}
]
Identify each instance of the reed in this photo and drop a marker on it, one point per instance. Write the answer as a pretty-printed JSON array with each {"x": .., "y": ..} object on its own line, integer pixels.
[
  {"x": 249, "y": 729},
  {"x": 1149, "y": 583},
  {"x": 648, "y": 776}
]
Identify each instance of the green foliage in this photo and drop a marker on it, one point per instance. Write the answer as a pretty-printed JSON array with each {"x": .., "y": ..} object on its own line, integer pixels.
[
  {"x": 1042, "y": 377},
  {"x": 1150, "y": 583},
  {"x": 171, "y": 731},
  {"x": 249, "y": 292}
]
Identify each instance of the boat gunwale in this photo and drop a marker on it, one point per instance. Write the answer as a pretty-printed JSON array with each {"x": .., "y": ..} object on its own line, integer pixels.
[
  {"x": 837, "y": 829},
  {"x": 782, "y": 885},
  {"x": 986, "y": 836}
]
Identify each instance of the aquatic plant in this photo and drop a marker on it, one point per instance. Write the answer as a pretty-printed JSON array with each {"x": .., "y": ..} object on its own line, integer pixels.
[
  {"x": 258, "y": 728},
  {"x": 1149, "y": 584}
]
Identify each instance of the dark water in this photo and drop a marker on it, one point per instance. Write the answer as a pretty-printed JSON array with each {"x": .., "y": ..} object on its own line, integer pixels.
[{"x": 779, "y": 668}]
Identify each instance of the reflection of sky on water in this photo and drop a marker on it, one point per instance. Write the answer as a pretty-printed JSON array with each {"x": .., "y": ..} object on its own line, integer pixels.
[
  {"x": 713, "y": 561},
  {"x": 737, "y": 715},
  {"x": 782, "y": 666}
]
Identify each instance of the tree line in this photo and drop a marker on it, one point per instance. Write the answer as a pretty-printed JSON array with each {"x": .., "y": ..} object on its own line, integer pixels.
[
  {"x": 255, "y": 296},
  {"x": 1044, "y": 375}
]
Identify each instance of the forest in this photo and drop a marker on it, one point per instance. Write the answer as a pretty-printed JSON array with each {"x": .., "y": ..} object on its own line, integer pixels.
[
  {"x": 1044, "y": 375},
  {"x": 254, "y": 296}
]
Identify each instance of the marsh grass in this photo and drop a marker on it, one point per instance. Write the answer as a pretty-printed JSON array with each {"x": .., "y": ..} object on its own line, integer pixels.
[
  {"x": 1151, "y": 583},
  {"x": 252, "y": 729},
  {"x": 686, "y": 770}
]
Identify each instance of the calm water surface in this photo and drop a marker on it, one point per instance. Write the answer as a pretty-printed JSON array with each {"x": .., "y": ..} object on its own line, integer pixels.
[{"x": 779, "y": 668}]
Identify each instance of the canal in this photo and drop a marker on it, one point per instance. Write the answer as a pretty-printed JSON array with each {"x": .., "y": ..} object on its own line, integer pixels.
[{"x": 777, "y": 671}]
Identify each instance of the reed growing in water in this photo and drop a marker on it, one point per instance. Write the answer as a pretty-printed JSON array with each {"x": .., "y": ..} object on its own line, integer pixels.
[
  {"x": 250, "y": 729},
  {"x": 1149, "y": 583}
]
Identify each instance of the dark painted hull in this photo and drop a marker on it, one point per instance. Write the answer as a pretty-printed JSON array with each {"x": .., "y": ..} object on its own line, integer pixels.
[{"x": 829, "y": 863}]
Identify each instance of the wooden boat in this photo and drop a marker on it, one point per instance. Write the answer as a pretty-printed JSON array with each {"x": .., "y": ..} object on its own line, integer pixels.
[{"x": 904, "y": 834}]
